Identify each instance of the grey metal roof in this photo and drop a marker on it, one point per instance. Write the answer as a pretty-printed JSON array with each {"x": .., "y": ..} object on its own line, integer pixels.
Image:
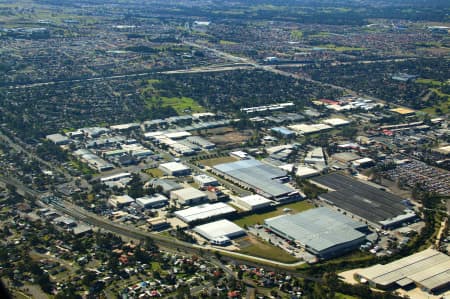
[
  {"x": 259, "y": 175},
  {"x": 319, "y": 229},
  {"x": 428, "y": 268},
  {"x": 361, "y": 199}
]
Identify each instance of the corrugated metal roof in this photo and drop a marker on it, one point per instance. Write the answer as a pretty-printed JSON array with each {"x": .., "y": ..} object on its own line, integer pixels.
[
  {"x": 259, "y": 175},
  {"x": 217, "y": 229},
  {"x": 318, "y": 229},
  {"x": 429, "y": 268}
]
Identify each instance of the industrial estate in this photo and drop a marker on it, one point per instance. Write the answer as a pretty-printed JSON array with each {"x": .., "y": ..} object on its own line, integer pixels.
[{"x": 224, "y": 150}]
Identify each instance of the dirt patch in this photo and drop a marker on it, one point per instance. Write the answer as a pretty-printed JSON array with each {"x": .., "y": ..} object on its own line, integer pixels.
[{"x": 228, "y": 137}]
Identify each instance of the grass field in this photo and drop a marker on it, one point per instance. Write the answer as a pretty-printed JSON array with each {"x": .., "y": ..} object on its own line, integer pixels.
[
  {"x": 265, "y": 250},
  {"x": 428, "y": 82},
  {"x": 443, "y": 106},
  {"x": 296, "y": 34},
  {"x": 259, "y": 218},
  {"x": 182, "y": 105},
  {"x": 215, "y": 161},
  {"x": 341, "y": 48},
  {"x": 343, "y": 296},
  {"x": 227, "y": 42},
  {"x": 154, "y": 172}
]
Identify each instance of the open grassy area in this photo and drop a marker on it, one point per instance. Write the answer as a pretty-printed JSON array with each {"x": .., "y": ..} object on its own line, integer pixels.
[
  {"x": 443, "y": 107},
  {"x": 154, "y": 172},
  {"x": 227, "y": 42},
  {"x": 296, "y": 34},
  {"x": 341, "y": 48},
  {"x": 429, "y": 82},
  {"x": 343, "y": 296},
  {"x": 182, "y": 105},
  {"x": 259, "y": 218},
  {"x": 265, "y": 250},
  {"x": 215, "y": 161}
]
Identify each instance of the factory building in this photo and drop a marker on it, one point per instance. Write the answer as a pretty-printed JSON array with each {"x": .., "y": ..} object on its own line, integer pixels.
[
  {"x": 253, "y": 202},
  {"x": 322, "y": 231},
  {"x": 58, "y": 139},
  {"x": 204, "y": 180},
  {"x": 152, "y": 202},
  {"x": 175, "y": 169},
  {"x": 166, "y": 186},
  {"x": 204, "y": 212},
  {"x": 262, "y": 178},
  {"x": 219, "y": 232},
  {"x": 428, "y": 270},
  {"x": 188, "y": 196},
  {"x": 120, "y": 201}
]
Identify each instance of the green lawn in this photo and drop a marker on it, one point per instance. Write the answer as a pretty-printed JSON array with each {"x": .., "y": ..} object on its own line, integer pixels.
[
  {"x": 227, "y": 42},
  {"x": 296, "y": 34},
  {"x": 343, "y": 296},
  {"x": 444, "y": 106},
  {"x": 154, "y": 172},
  {"x": 182, "y": 105},
  {"x": 259, "y": 218},
  {"x": 428, "y": 82},
  {"x": 268, "y": 251},
  {"x": 341, "y": 48}
]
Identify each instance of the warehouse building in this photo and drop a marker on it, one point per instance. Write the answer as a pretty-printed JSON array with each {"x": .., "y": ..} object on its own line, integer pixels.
[
  {"x": 175, "y": 169},
  {"x": 204, "y": 212},
  {"x": 58, "y": 139},
  {"x": 203, "y": 143},
  {"x": 165, "y": 186},
  {"x": 304, "y": 171},
  {"x": 263, "y": 179},
  {"x": 253, "y": 202},
  {"x": 152, "y": 202},
  {"x": 428, "y": 270},
  {"x": 188, "y": 196},
  {"x": 323, "y": 232},
  {"x": 204, "y": 180},
  {"x": 380, "y": 208},
  {"x": 283, "y": 132},
  {"x": 219, "y": 232},
  {"x": 120, "y": 201},
  {"x": 336, "y": 122}
]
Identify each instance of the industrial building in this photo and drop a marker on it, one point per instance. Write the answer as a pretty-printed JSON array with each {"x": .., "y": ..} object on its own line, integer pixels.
[
  {"x": 203, "y": 143},
  {"x": 303, "y": 171},
  {"x": 204, "y": 212},
  {"x": 304, "y": 129},
  {"x": 204, "y": 180},
  {"x": 153, "y": 201},
  {"x": 264, "y": 179},
  {"x": 94, "y": 161},
  {"x": 58, "y": 139},
  {"x": 323, "y": 232},
  {"x": 428, "y": 270},
  {"x": 175, "y": 169},
  {"x": 253, "y": 202},
  {"x": 345, "y": 157},
  {"x": 336, "y": 122},
  {"x": 283, "y": 132},
  {"x": 380, "y": 208},
  {"x": 188, "y": 196},
  {"x": 166, "y": 186},
  {"x": 219, "y": 232},
  {"x": 119, "y": 201}
]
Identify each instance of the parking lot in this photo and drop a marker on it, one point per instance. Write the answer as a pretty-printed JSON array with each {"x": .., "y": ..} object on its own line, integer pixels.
[{"x": 284, "y": 244}]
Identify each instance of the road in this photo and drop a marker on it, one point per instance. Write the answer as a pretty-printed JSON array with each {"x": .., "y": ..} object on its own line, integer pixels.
[{"x": 16, "y": 145}]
